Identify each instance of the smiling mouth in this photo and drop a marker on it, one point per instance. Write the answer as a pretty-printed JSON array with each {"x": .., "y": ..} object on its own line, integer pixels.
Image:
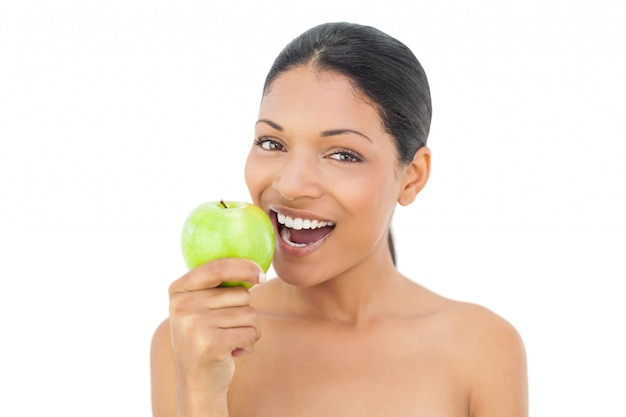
[{"x": 299, "y": 232}]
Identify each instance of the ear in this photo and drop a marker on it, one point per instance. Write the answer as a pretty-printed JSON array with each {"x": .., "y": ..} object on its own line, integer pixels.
[{"x": 415, "y": 176}]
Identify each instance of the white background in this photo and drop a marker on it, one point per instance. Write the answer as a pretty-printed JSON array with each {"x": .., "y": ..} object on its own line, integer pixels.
[{"x": 118, "y": 117}]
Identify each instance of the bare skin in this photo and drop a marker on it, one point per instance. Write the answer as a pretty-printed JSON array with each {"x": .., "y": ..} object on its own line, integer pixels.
[
  {"x": 424, "y": 355},
  {"x": 341, "y": 332}
]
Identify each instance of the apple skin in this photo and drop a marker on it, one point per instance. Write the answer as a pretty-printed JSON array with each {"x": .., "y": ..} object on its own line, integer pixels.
[{"x": 228, "y": 229}]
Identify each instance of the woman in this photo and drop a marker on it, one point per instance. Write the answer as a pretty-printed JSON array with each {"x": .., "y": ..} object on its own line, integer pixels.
[{"x": 340, "y": 140}]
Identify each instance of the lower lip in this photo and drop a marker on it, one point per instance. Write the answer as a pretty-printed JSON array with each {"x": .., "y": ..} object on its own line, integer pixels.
[{"x": 295, "y": 250}]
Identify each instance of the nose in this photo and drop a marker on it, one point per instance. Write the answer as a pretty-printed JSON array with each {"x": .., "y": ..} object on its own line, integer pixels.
[{"x": 299, "y": 178}]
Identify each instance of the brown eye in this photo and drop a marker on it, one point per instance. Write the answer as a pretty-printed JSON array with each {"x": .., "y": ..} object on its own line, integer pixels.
[
  {"x": 269, "y": 144},
  {"x": 346, "y": 156}
]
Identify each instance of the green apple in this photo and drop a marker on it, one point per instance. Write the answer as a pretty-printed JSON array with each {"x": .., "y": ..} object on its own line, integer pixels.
[{"x": 231, "y": 229}]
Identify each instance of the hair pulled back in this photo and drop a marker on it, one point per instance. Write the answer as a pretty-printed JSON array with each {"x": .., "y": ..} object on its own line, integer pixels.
[{"x": 381, "y": 67}]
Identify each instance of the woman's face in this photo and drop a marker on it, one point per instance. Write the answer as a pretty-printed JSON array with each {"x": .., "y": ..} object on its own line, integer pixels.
[{"x": 326, "y": 172}]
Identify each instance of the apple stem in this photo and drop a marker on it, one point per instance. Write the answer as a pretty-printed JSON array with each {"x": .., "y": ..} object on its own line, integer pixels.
[{"x": 223, "y": 203}]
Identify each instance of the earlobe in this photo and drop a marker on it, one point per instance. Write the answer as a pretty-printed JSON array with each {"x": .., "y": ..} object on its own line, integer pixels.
[{"x": 415, "y": 176}]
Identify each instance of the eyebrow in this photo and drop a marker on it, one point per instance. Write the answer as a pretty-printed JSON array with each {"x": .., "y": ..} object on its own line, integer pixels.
[
  {"x": 335, "y": 132},
  {"x": 325, "y": 133},
  {"x": 272, "y": 124}
]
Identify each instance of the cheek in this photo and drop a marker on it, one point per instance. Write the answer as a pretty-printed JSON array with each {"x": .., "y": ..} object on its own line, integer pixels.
[
  {"x": 372, "y": 189},
  {"x": 368, "y": 199}
]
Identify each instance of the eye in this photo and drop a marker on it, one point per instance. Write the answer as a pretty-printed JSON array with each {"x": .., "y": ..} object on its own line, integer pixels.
[
  {"x": 269, "y": 144},
  {"x": 346, "y": 155}
]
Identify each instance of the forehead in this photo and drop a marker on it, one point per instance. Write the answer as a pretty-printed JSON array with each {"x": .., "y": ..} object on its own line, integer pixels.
[{"x": 325, "y": 96}]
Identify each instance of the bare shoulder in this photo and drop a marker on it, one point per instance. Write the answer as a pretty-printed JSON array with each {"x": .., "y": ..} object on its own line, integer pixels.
[
  {"x": 473, "y": 330},
  {"x": 470, "y": 323},
  {"x": 493, "y": 359},
  {"x": 478, "y": 325},
  {"x": 486, "y": 350}
]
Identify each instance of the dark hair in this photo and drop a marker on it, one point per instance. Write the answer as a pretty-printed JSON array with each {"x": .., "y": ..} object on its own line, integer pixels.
[{"x": 381, "y": 67}]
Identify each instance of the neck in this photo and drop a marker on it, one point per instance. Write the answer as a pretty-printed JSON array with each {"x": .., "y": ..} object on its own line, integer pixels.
[{"x": 354, "y": 298}]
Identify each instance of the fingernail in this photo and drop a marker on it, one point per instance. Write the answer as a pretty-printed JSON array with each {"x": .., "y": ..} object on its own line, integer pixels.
[{"x": 262, "y": 277}]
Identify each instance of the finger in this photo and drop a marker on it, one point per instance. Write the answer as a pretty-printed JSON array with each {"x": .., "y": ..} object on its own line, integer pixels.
[
  {"x": 235, "y": 342},
  {"x": 234, "y": 317},
  {"x": 200, "y": 323},
  {"x": 217, "y": 332},
  {"x": 245, "y": 330},
  {"x": 241, "y": 339},
  {"x": 215, "y": 346},
  {"x": 205, "y": 300},
  {"x": 211, "y": 274}
]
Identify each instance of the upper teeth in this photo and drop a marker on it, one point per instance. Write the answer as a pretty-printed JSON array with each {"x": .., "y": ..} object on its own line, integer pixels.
[{"x": 299, "y": 223}]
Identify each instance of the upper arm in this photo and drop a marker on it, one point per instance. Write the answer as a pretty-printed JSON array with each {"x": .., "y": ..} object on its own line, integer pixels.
[
  {"x": 162, "y": 373},
  {"x": 499, "y": 382}
]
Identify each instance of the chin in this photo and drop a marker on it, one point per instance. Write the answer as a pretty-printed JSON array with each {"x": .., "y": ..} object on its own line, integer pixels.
[{"x": 299, "y": 274}]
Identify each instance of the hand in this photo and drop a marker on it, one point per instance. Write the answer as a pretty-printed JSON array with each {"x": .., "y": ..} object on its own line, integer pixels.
[{"x": 210, "y": 324}]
